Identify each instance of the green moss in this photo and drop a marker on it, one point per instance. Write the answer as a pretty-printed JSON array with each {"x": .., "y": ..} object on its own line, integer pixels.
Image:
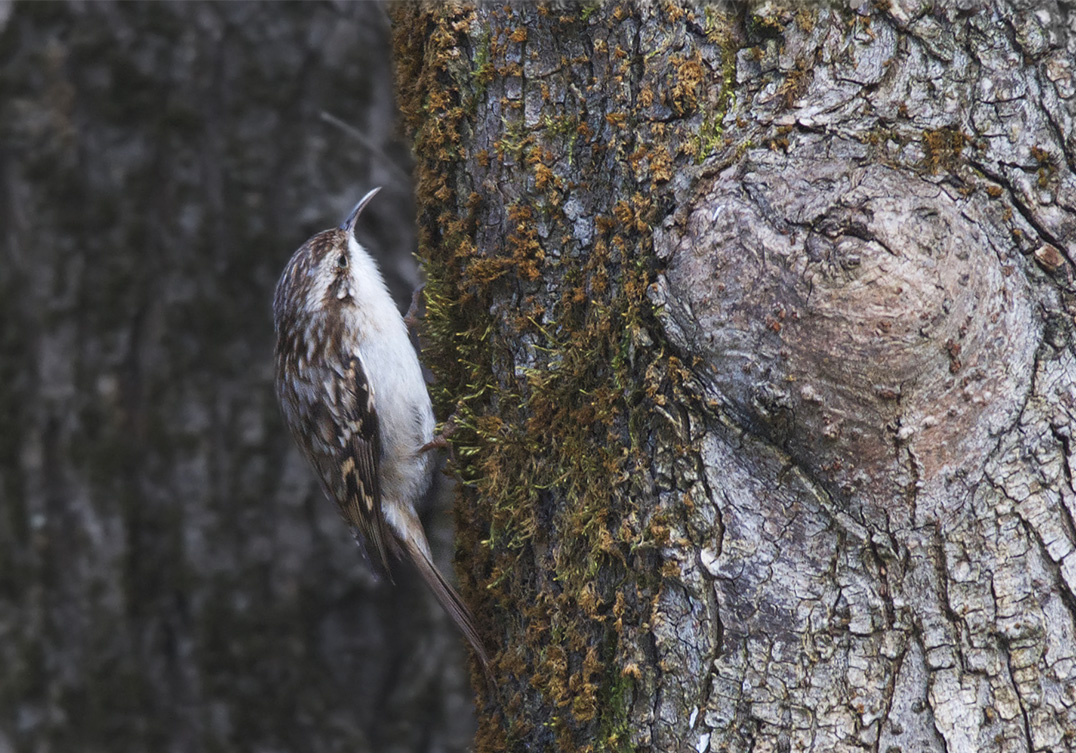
[
  {"x": 482, "y": 70},
  {"x": 711, "y": 134}
]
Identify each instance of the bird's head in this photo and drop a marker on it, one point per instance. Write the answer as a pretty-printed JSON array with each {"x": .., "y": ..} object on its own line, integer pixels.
[{"x": 328, "y": 271}]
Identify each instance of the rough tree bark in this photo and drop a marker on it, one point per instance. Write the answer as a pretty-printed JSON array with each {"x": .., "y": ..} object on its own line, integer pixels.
[
  {"x": 757, "y": 325},
  {"x": 171, "y": 578}
]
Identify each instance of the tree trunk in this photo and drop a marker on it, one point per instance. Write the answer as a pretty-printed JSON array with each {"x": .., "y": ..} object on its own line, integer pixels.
[
  {"x": 171, "y": 578},
  {"x": 756, "y": 325}
]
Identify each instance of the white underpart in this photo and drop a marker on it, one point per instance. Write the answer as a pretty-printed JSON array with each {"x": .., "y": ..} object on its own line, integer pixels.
[{"x": 399, "y": 389}]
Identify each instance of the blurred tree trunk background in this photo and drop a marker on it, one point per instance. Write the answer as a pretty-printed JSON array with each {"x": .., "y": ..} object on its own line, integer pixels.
[
  {"x": 757, "y": 323},
  {"x": 171, "y": 579}
]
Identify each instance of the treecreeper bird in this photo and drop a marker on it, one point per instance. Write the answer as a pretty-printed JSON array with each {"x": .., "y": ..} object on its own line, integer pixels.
[{"x": 352, "y": 392}]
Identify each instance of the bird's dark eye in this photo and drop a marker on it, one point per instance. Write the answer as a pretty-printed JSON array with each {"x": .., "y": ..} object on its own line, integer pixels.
[{"x": 341, "y": 261}]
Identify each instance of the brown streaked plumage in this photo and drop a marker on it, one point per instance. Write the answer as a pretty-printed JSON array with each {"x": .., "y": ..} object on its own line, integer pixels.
[{"x": 352, "y": 393}]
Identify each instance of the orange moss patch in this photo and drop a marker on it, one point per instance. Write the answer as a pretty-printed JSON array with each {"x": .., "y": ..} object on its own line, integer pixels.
[{"x": 942, "y": 148}]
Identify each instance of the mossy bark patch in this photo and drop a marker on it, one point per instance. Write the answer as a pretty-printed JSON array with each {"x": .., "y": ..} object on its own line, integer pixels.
[{"x": 547, "y": 144}]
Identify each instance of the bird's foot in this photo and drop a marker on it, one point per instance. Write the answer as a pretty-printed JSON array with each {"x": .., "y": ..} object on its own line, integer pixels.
[{"x": 440, "y": 441}]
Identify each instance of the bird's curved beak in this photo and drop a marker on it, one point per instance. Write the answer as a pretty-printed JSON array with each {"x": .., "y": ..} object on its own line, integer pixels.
[{"x": 349, "y": 223}]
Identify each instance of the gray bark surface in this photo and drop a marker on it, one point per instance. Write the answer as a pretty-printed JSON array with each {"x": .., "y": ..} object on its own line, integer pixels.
[
  {"x": 829, "y": 503},
  {"x": 171, "y": 578},
  {"x": 897, "y": 323}
]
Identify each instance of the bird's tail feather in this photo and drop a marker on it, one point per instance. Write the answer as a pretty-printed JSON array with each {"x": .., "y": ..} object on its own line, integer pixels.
[{"x": 449, "y": 600}]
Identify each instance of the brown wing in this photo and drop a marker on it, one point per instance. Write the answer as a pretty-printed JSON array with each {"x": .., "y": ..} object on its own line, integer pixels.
[{"x": 360, "y": 455}]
